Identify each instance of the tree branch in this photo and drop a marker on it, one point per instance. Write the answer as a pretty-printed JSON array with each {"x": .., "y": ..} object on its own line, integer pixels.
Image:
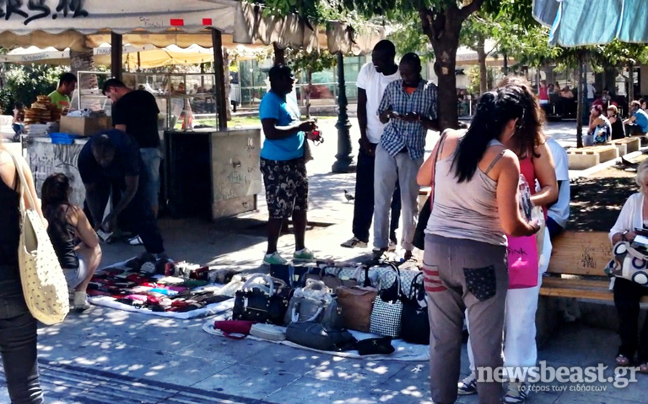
[{"x": 469, "y": 9}]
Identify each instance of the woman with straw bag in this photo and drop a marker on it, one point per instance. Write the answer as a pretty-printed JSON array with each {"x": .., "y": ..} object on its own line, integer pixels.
[{"x": 17, "y": 324}]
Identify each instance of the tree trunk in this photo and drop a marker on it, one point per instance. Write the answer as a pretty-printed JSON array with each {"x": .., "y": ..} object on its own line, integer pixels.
[
  {"x": 228, "y": 85},
  {"x": 631, "y": 84},
  {"x": 279, "y": 55},
  {"x": 442, "y": 27},
  {"x": 84, "y": 61},
  {"x": 307, "y": 91},
  {"x": 483, "y": 69},
  {"x": 579, "y": 102}
]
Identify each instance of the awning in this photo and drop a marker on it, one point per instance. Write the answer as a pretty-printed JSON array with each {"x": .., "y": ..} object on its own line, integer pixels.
[
  {"x": 593, "y": 22},
  {"x": 65, "y": 23},
  {"x": 56, "y": 57}
]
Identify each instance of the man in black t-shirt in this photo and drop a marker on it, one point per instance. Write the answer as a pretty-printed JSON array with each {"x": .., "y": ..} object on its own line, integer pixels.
[
  {"x": 113, "y": 157},
  {"x": 136, "y": 113}
]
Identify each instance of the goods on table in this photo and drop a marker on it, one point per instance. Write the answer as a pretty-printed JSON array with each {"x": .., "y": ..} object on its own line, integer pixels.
[{"x": 41, "y": 112}]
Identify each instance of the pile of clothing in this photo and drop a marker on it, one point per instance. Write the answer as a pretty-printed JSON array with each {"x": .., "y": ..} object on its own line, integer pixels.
[{"x": 159, "y": 287}]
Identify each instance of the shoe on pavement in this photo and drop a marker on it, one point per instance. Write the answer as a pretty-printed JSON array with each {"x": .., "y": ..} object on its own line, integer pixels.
[
  {"x": 378, "y": 253},
  {"x": 304, "y": 255},
  {"x": 274, "y": 259},
  {"x": 516, "y": 393},
  {"x": 467, "y": 385},
  {"x": 137, "y": 240},
  {"x": 391, "y": 247},
  {"x": 354, "y": 242},
  {"x": 80, "y": 301}
]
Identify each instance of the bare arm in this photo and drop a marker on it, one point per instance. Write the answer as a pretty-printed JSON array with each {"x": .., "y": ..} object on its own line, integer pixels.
[
  {"x": 546, "y": 173},
  {"x": 274, "y": 132},
  {"x": 94, "y": 204},
  {"x": 629, "y": 120},
  {"x": 121, "y": 127},
  {"x": 132, "y": 183},
  {"x": 508, "y": 195},
  {"x": 85, "y": 232},
  {"x": 30, "y": 188}
]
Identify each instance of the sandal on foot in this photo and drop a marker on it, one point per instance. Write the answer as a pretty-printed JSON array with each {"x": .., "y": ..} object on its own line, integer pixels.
[
  {"x": 622, "y": 360},
  {"x": 643, "y": 368}
]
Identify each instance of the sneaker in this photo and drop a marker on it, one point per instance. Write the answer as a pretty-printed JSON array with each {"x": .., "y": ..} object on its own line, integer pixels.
[
  {"x": 467, "y": 386},
  {"x": 354, "y": 242},
  {"x": 392, "y": 246},
  {"x": 304, "y": 255},
  {"x": 274, "y": 259},
  {"x": 378, "y": 253},
  {"x": 80, "y": 301},
  {"x": 137, "y": 240},
  {"x": 516, "y": 393}
]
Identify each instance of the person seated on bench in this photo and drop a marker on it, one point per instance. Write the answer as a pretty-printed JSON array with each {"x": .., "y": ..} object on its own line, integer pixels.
[
  {"x": 558, "y": 212},
  {"x": 600, "y": 127},
  {"x": 627, "y": 294},
  {"x": 637, "y": 124},
  {"x": 618, "y": 131}
]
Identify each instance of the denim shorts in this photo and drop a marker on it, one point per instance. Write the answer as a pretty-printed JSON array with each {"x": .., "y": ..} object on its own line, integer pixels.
[
  {"x": 74, "y": 276},
  {"x": 152, "y": 157}
]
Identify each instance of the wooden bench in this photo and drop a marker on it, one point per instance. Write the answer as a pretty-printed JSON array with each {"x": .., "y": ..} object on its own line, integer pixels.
[
  {"x": 587, "y": 157},
  {"x": 577, "y": 263},
  {"x": 627, "y": 145}
]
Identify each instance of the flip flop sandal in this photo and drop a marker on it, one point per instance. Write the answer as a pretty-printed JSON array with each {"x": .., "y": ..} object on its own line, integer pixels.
[
  {"x": 643, "y": 368},
  {"x": 621, "y": 360}
]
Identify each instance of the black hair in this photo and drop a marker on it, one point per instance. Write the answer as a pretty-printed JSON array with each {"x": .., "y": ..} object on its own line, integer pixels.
[
  {"x": 102, "y": 144},
  {"x": 387, "y": 47},
  {"x": 19, "y": 105},
  {"x": 56, "y": 203},
  {"x": 67, "y": 78},
  {"x": 278, "y": 72},
  {"x": 494, "y": 111},
  {"x": 112, "y": 83},
  {"x": 412, "y": 58}
]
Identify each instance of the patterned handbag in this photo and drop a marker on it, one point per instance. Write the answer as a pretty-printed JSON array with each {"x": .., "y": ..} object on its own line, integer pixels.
[
  {"x": 388, "y": 307},
  {"x": 43, "y": 282},
  {"x": 628, "y": 263}
]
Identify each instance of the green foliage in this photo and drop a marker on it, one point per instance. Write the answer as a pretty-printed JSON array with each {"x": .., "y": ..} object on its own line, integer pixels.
[
  {"x": 315, "y": 61},
  {"x": 408, "y": 37},
  {"x": 474, "y": 79},
  {"x": 24, "y": 82}
]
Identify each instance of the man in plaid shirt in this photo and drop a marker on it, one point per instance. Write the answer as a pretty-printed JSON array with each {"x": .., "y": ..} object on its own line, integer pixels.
[{"x": 409, "y": 108}]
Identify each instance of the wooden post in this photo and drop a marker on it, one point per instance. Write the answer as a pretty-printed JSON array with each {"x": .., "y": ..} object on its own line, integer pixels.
[
  {"x": 221, "y": 97},
  {"x": 116, "y": 66}
]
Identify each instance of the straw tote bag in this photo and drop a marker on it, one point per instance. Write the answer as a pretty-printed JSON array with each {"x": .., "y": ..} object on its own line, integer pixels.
[{"x": 43, "y": 282}]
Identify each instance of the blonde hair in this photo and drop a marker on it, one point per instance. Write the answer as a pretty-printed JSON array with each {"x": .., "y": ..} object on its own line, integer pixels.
[{"x": 642, "y": 170}]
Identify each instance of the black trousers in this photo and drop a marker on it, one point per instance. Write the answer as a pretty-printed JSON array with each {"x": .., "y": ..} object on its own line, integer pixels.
[
  {"x": 138, "y": 214},
  {"x": 18, "y": 342},
  {"x": 626, "y": 299},
  {"x": 363, "y": 207}
]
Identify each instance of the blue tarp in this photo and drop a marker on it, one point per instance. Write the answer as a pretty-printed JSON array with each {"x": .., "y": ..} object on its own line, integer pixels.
[{"x": 592, "y": 22}]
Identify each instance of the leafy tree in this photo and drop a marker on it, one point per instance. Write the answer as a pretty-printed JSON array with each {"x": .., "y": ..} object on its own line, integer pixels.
[
  {"x": 309, "y": 62},
  {"x": 22, "y": 83}
]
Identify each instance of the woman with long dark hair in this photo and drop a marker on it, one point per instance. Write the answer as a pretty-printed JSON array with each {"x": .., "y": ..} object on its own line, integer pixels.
[
  {"x": 476, "y": 198},
  {"x": 17, "y": 326},
  {"x": 74, "y": 240}
]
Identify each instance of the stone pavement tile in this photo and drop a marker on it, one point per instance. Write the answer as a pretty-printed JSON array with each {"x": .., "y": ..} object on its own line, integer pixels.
[
  {"x": 363, "y": 371},
  {"x": 248, "y": 381},
  {"x": 310, "y": 390},
  {"x": 413, "y": 379},
  {"x": 212, "y": 347},
  {"x": 281, "y": 358},
  {"x": 567, "y": 347},
  {"x": 569, "y": 397},
  {"x": 181, "y": 370}
]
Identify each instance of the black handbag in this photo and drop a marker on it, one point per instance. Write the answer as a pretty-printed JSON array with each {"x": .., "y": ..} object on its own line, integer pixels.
[
  {"x": 415, "y": 324},
  {"x": 265, "y": 302},
  {"x": 313, "y": 335},
  {"x": 423, "y": 218},
  {"x": 294, "y": 276}
]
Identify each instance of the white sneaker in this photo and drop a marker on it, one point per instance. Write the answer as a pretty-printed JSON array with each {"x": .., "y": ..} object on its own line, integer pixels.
[
  {"x": 137, "y": 240},
  {"x": 467, "y": 385},
  {"x": 516, "y": 393},
  {"x": 80, "y": 301}
]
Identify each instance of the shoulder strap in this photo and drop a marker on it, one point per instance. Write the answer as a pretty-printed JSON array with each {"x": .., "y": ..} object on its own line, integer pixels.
[
  {"x": 23, "y": 184},
  {"x": 495, "y": 160}
]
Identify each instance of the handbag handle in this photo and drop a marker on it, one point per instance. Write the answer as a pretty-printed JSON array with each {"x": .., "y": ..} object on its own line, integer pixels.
[
  {"x": 412, "y": 287},
  {"x": 268, "y": 289},
  {"x": 398, "y": 279},
  {"x": 314, "y": 284},
  {"x": 23, "y": 186}
]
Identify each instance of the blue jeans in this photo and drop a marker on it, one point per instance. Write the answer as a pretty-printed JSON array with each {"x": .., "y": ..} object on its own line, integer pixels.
[
  {"x": 152, "y": 158},
  {"x": 18, "y": 345}
]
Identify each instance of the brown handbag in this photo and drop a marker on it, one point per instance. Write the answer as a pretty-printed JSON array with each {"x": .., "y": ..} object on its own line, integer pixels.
[{"x": 356, "y": 305}]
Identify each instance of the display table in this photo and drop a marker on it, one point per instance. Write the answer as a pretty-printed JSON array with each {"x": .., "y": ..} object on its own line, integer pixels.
[
  {"x": 212, "y": 173},
  {"x": 46, "y": 158}
]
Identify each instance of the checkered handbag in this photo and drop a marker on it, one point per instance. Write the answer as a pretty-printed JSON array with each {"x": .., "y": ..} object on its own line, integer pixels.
[
  {"x": 388, "y": 307},
  {"x": 387, "y": 274}
]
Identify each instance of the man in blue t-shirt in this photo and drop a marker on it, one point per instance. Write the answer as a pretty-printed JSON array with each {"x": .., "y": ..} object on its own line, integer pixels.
[
  {"x": 637, "y": 124},
  {"x": 283, "y": 164}
]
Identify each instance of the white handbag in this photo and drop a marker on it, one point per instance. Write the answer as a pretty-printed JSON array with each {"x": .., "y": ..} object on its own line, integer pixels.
[{"x": 43, "y": 282}]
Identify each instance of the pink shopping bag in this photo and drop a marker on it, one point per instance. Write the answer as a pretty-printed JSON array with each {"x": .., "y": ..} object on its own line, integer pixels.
[{"x": 522, "y": 262}]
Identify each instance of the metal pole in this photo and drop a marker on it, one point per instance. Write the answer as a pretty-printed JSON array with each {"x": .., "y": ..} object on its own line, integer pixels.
[
  {"x": 343, "y": 158},
  {"x": 219, "y": 71},
  {"x": 116, "y": 67}
]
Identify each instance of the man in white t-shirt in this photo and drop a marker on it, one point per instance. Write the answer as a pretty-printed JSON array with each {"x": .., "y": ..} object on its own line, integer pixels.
[
  {"x": 372, "y": 81},
  {"x": 558, "y": 213}
]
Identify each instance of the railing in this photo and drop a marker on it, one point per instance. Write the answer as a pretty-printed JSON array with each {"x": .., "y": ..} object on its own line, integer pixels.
[{"x": 326, "y": 92}]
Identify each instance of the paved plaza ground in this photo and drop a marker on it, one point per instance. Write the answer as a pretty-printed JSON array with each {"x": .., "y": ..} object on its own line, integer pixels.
[{"x": 110, "y": 356}]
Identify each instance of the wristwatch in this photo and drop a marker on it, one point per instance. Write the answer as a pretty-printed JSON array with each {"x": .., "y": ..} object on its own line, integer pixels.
[{"x": 623, "y": 235}]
